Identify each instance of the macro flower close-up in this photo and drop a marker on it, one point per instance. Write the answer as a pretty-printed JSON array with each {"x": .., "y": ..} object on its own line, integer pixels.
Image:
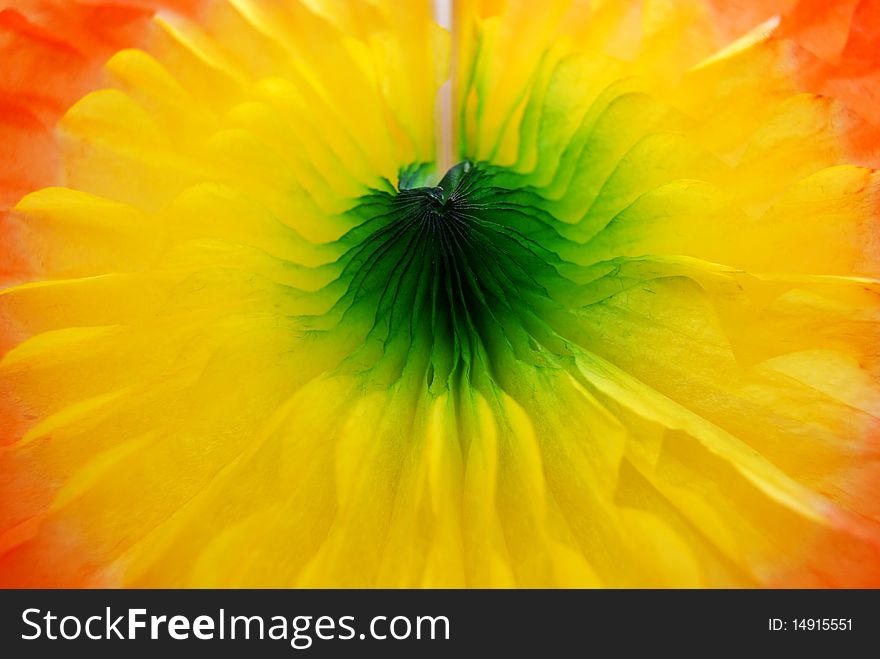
[{"x": 462, "y": 293}]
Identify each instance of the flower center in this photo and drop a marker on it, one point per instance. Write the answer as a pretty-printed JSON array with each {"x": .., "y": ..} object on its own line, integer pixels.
[{"x": 450, "y": 279}]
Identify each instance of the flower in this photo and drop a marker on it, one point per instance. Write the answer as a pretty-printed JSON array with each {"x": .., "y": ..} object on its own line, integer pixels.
[{"x": 313, "y": 293}]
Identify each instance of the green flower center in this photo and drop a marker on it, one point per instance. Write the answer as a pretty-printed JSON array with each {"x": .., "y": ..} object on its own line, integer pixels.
[{"x": 451, "y": 280}]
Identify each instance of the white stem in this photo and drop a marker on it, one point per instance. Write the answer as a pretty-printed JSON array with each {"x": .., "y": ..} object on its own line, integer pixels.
[{"x": 443, "y": 113}]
